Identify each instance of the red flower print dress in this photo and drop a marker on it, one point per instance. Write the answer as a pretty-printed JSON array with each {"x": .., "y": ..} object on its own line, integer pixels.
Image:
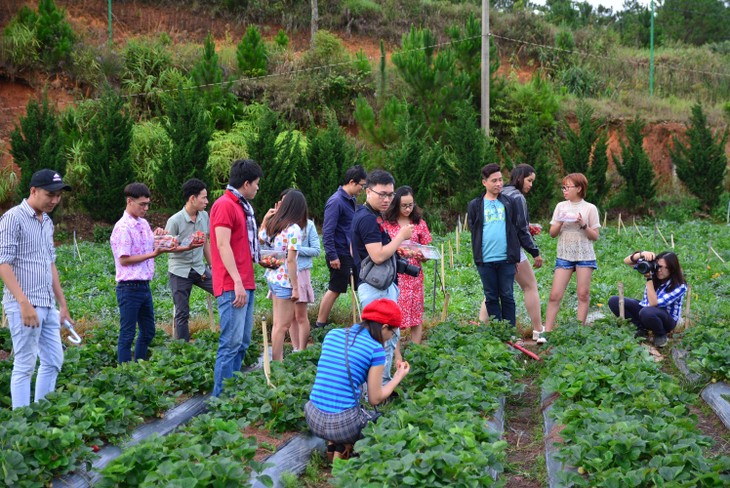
[{"x": 411, "y": 288}]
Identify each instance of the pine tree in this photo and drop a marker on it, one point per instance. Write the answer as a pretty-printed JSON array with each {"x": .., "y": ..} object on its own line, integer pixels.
[
  {"x": 576, "y": 150},
  {"x": 219, "y": 99},
  {"x": 598, "y": 184},
  {"x": 251, "y": 53},
  {"x": 639, "y": 187},
  {"x": 329, "y": 155},
  {"x": 37, "y": 142},
  {"x": 532, "y": 148},
  {"x": 54, "y": 33},
  {"x": 701, "y": 163},
  {"x": 109, "y": 161},
  {"x": 188, "y": 126}
]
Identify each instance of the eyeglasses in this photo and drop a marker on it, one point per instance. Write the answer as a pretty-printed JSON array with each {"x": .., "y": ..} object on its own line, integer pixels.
[
  {"x": 383, "y": 196},
  {"x": 363, "y": 185},
  {"x": 406, "y": 206},
  {"x": 142, "y": 204},
  {"x": 566, "y": 187}
]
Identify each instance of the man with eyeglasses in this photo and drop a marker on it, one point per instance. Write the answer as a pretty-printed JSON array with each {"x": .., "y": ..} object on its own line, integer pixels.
[
  {"x": 134, "y": 250},
  {"x": 338, "y": 213},
  {"x": 369, "y": 238}
]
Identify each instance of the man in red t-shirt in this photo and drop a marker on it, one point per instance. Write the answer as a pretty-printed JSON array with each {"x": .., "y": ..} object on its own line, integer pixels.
[{"x": 234, "y": 249}]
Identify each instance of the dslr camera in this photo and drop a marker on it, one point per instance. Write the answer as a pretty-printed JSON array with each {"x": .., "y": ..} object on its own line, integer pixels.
[
  {"x": 402, "y": 266},
  {"x": 643, "y": 266}
]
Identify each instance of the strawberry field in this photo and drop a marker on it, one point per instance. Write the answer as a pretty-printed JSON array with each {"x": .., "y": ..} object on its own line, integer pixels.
[{"x": 619, "y": 417}]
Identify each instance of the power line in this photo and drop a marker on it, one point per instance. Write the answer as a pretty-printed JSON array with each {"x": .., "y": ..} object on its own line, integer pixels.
[{"x": 290, "y": 73}]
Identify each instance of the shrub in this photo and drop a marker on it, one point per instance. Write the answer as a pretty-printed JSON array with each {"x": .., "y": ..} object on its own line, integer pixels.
[
  {"x": 150, "y": 146},
  {"x": 20, "y": 45},
  {"x": 580, "y": 81},
  {"x": 597, "y": 172},
  {"x": 281, "y": 39},
  {"x": 37, "y": 141},
  {"x": 224, "y": 148},
  {"x": 8, "y": 184},
  {"x": 110, "y": 166},
  {"x": 144, "y": 61},
  {"x": 639, "y": 188},
  {"x": 701, "y": 163},
  {"x": 251, "y": 53},
  {"x": 576, "y": 150},
  {"x": 102, "y": 233},
  {"x": 216, "y": 93}
]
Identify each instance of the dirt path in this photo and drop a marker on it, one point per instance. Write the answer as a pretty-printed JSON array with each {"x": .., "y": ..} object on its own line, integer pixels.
[{"x": 523, "y": 431}]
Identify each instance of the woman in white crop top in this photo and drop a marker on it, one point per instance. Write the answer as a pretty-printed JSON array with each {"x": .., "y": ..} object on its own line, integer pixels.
[{"x": 575, "y": 223}]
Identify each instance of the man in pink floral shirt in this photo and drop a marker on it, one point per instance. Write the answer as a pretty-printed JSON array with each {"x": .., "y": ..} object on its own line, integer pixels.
[{"x": 133, "y": 246}]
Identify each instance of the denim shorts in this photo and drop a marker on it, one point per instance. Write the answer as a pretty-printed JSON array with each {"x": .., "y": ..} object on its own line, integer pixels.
[
  {"x": 565, "y": 264},
  {"x": 279, "y": 291}
]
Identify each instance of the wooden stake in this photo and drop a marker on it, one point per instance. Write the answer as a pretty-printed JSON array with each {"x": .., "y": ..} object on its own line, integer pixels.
[
  {"x": 451, "y": 256},
  {"x": 671, "y": 238},
  {"x": 4, "y": 322},
  {"x": 76, "y": 245},
  {"x": 605, "y": 217},
  {"x": 458, "y": 241},
  {"x": 267, "y": 359},
  {"x": 618, "y": 223},
  {"x": 660, "y": 234},
  {"x": 445, "y": 309},
  {"x": 621, "y": 300},
  {"x": 211, "y": 318},
  {"x": 355, "y": 305},
  {"x": 466, "y": 222},
  {"x": 174, "y": 330},
  {"x": 637, "y": 228}
]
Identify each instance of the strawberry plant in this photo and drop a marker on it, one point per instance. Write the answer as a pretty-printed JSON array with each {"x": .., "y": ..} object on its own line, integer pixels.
[
  {"x": 708, "y": 345},
  {"x": 625, "y": 422},
  {"x": 436, "y": 434}
]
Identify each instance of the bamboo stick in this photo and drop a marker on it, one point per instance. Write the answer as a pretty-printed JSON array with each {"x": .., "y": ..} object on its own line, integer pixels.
[
  {"x": 621, "y": 300},
  {"x": 660, "y": 234},
  {"x": 445, "y": 309},
  {"x": 605, "y": 217},
  {"x": 713, "y": 250},
  {"x": 618, "y": 223},
  {"x": 637, "y": 228},
  {"x": 688, "y": 311},
  {"x": 355, "y": 306},
  {"x": 458, "y": 240},
  {"x": 76, "y": 245},
  {"x": 267, "y": 359},
  {"x": 451, "y": 256},
  {"x": 671, "y": 238}
]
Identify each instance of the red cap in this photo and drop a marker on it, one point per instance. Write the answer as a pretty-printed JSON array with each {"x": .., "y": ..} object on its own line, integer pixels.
[{"x": 383, "y": 311}]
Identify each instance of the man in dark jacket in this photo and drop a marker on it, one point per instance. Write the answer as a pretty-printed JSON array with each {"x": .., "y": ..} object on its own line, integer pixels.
[
  {"x": 338, "y": 214},
  {"x": 496, "y": 239}
]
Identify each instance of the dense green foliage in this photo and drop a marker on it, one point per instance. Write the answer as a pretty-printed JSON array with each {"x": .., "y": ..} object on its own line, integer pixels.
[
  {"x": 701, "y": 162},
  {"x": 251, "y": 53},
  {"x": 708, "y": 345},
  {"x": 37, "y": 142},
  {"x": 639, "y": 187}
]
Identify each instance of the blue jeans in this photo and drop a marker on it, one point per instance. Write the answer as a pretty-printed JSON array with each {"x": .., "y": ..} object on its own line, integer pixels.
[
  {"x": 498, "y": 280},
  {"x": 236, "y": 327},
  {"x": 368, "y": 293},
  {"x": 29, "y": 343},
  {"x": 135, "y": 308}
]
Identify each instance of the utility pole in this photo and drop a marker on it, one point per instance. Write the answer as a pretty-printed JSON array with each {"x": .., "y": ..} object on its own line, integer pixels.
[
  {"x": 485, "y": 67},
  {"x": 651, "y": 52},
  {"x": 109, "y": 3}
]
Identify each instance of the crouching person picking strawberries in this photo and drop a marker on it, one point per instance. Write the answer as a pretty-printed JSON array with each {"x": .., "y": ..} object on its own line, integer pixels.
[{"x": 351, "y": 357}]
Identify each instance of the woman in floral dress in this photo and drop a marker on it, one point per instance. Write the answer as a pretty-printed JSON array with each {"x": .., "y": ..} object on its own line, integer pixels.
[{"x": 403, "y": 211}]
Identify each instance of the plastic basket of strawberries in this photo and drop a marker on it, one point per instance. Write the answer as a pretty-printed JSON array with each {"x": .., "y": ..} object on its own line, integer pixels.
[
  {"x": 165, "y": 241},
  {"x": 272, "y": 259},
  {"x": 409, "y": 249},
  {"x": 535, "y": 229}
]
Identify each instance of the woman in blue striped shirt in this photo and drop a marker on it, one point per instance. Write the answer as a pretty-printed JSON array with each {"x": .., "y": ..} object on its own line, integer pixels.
[
  {"x": 661, "y": 308},
  {"x": 333, "y": 409}
]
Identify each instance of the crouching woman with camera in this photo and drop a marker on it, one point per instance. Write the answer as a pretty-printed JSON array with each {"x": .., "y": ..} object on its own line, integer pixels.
[
  {"x": 661, "y": 307},
  {"x": 349, "y": 358}
]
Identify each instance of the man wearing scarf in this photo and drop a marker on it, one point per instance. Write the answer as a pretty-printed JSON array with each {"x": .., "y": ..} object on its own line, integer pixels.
[{"x": 234, "y": 250}]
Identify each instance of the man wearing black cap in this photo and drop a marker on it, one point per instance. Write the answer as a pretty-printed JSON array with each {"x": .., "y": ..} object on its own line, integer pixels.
[{"x": 32, "y": 288}]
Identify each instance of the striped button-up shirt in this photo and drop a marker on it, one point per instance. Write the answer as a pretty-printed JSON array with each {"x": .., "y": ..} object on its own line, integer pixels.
[
  {"x": 669, "y": 300},
  {"x": 26, "y": 244},
  {"x": 132, "y": 237}
]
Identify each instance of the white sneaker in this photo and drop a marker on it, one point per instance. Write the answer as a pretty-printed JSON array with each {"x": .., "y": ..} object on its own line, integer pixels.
[{"x": 537, "y": 337}]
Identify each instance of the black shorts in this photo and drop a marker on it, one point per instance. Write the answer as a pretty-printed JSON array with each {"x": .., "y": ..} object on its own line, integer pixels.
[{"x": 340, "y": 278}]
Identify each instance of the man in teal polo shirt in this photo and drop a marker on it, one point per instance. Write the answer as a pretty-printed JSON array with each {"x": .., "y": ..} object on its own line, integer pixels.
[{"x": 185, "y": 265}]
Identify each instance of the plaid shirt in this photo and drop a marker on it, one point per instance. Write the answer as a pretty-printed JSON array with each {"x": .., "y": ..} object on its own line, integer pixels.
[{"x": 670, "y": 300}]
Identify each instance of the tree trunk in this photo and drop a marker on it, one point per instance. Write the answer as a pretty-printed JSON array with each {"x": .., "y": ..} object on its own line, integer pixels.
[{"x": 315, "y": 20}]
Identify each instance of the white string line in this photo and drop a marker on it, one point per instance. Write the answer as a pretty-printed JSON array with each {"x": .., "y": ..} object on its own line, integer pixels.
[{"x": 371, "y": 58}]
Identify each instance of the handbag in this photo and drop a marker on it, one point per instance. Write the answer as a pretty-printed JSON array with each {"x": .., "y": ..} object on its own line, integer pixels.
[
  {"x": 379, "y": 276},
  {"x": 365, "y": 416}
]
